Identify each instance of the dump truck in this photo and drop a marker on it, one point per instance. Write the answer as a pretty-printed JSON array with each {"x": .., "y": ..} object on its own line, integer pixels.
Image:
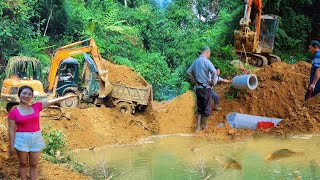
[
  {"x": 126, "y": 98},
  {"x": 63, "y": 79}
]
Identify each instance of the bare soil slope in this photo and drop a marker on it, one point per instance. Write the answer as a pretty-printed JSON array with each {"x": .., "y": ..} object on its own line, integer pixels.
[{"x": 280, "y": 94}]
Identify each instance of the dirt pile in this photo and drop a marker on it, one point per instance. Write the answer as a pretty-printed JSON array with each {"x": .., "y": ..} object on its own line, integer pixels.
[
  {"x": 280, "y": 92},
  {"x": 120, "y": 74},
  {"x": 177, "y": 115},
  {"x": 99, "y": 126},
  {"x": 305, "y": 120}
]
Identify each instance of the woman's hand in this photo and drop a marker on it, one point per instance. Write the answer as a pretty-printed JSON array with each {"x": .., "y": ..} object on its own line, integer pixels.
[
  {"x": 12, "y": 151},
  {"x": 46, "y": 104}
]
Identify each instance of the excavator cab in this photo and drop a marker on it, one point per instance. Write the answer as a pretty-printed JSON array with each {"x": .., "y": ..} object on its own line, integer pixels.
[
  {"x": 67, "y": 76},
  {"x": 267, "y": 33}
]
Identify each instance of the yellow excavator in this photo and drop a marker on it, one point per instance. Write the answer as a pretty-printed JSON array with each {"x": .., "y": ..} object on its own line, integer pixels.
[{"x": 254, "y": 43}]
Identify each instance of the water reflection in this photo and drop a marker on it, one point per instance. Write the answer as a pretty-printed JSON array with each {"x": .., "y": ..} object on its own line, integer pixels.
[{"x": 182, "y": 157}]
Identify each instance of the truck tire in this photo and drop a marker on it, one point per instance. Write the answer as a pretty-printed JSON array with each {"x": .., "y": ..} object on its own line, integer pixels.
[
  {"x": 71, "y": 102},
  {"x": 124, "y": 108}
]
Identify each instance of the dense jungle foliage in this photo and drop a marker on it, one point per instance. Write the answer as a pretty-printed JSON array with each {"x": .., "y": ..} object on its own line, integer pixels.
[{"x": 158, "y": 38}]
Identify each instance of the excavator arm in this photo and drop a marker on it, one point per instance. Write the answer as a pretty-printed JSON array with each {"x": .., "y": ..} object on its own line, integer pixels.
[
  {"x": 245, "y": 22},
  {"x": 247, "y": 43},
  {"x": 70, "y": 51},
  {"x": 245, "y": 38}
]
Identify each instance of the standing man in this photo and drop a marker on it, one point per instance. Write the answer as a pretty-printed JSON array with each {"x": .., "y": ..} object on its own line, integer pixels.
[
  {"x": 314, "y": 86},
  {"x": 200, "y": 73},
  {"x": 215, "y": 79}
]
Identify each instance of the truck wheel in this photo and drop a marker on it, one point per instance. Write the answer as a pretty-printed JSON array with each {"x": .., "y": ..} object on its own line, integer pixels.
[
  {"x": 124, "y": 108},
  {"x": 71, "y": 102}
]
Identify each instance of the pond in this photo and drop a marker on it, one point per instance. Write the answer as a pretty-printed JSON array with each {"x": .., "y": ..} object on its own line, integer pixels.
[{"x": 191, "y": 157}]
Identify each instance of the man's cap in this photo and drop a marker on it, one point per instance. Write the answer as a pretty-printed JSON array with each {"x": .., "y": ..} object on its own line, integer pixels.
[{"x": 315, "y": 43}]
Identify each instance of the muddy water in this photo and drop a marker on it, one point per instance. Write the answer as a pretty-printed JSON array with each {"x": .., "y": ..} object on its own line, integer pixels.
[{"x": 187, "y": 157}]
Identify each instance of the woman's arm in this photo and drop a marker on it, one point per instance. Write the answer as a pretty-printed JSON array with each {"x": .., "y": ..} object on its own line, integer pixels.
[
  {"x": 12, "y": 135},
  {"x": 46, "y": 104}
]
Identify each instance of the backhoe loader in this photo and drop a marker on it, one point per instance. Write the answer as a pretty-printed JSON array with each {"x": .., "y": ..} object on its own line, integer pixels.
[
  {"x": 20, "y": 71},
  {"x": 254, "y": 44}
]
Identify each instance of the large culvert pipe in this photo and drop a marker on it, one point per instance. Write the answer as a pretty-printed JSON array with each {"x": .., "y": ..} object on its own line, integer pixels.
[
  {"x": 248, "y": 82},
  {"x": 238, "y": 120}
]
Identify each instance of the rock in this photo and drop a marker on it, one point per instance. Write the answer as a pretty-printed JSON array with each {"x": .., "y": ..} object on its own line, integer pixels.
[
  {"x": 231, "y": 132},
  {"x": 4, "y": 147},
  {"x": 68, "y": 115}
]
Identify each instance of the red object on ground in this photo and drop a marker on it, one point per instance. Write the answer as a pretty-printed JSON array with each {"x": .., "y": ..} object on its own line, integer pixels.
[{"x": 265, "y": 125}]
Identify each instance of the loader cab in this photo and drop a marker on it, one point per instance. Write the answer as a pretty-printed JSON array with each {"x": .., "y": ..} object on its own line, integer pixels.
[
  {"x": 68, "y": 76},
  {"x": 268, "y": 28}
]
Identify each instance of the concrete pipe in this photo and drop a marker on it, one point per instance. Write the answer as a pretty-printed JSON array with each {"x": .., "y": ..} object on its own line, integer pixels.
[
  {"x": 238, "y": 120},
  {"x": 248, "y": 82}
]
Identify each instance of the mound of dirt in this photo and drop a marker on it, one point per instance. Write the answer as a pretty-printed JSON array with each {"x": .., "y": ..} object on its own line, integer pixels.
[
  {"x": 305, "y": 120},
  {"x": 120, "y": 74},
  {"x": 177, "y": 115},
  {"x": 280, "y": 92},
  {"x": 99, "y": 126}
]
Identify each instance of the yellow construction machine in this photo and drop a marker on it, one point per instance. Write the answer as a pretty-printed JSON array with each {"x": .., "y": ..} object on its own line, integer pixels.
[
  {"x": 254, "y": 42},
  {"x": 21, "y": 71},
  {"x": 63, "y": 79}
]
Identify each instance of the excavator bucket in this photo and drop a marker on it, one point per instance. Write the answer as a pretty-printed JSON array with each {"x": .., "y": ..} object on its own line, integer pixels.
[
  {"x": 244, "y": 40},
  {"x": 92, "y": 83},
  {"x": 105, "y": 86}
]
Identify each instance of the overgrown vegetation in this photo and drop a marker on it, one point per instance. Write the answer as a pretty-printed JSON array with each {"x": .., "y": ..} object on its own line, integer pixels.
[
  {"x": 233, "y": 93},
  {"x": 56, "y": 149},
  {"x": 158, "y": 40}
]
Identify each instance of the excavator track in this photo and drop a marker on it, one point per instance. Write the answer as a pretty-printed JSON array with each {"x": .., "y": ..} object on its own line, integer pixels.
[
  {"x": 259, "y": 60},
  {"x": 52, "y": 112},
  {"x": 273, "y": 58},
  {"x": 254, "y": 59}
]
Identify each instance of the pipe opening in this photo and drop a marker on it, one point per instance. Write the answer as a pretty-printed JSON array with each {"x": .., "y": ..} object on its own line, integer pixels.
[{"x": 252, "y": 82}]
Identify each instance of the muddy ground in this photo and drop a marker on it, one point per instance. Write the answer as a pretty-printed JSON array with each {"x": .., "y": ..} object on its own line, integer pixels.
[{"x": 280, "y": 94}]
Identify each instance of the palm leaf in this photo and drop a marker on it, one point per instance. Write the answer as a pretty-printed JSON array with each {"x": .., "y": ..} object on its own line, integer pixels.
[{"x": 23, "y": 62}]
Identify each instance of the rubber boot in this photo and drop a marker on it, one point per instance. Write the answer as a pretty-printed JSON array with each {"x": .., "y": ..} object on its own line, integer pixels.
[
  {"x": 198, "y": 128},
  {"x": 204, "y": 123},
  {"x": 216, "y": 107}
]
